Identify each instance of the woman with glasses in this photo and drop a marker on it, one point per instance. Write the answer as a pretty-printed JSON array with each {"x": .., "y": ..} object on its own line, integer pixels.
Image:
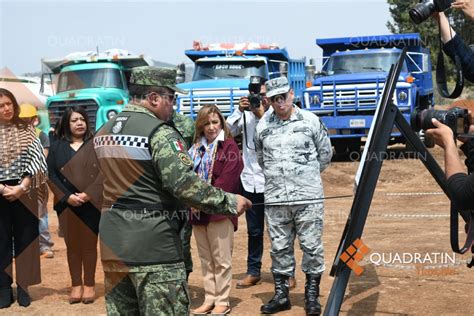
[
  {"x": 217, "y": 161},
  {"x": 22, "y": 170}
]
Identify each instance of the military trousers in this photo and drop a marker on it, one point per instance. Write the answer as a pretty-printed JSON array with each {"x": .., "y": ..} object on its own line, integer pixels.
[
  {"x": 284, "y": 223},
  {"x": 145, "y": 293}
]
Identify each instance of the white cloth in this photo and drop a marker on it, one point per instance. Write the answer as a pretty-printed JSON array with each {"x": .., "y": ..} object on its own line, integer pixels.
[{"x": 252, "y": 175}]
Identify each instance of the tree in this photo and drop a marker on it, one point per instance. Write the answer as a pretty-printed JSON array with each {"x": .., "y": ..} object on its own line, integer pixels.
[{"x": 428, "y": 29}]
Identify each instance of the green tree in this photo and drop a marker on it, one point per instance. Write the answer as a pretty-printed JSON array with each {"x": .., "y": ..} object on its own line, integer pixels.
[{"x": 401, "y": 23}]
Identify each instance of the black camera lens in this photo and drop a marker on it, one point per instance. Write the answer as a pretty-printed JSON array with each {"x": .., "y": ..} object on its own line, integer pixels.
[
  {"x": 254, "y": 100},
  {"x": 422, "y": 11},
  {"x": 456, "y": 118}
]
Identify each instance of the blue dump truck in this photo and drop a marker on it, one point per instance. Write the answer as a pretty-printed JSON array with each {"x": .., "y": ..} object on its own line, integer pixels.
[
  {"x": 345, "y": 93},
  {"x": 222, "y": 72}
]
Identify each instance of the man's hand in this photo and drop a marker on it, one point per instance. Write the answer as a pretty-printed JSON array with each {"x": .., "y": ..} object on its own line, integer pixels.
[
  {"x": 243, "y": 104},
  {"x": 258, "y": 112},
  {"x": 467, "y": 6},
  {"x": 83, "y": 196},
  {"x": 442, "y": 134},
  {"x": 74, "y": 200},
  {"x": 243, "y": 204},
  {"x": 12, "y": 193}
]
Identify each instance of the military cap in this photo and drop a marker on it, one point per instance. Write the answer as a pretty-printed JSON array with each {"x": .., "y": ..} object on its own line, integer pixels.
[
  {"x": 155, "y": 77},
  {"x": 277, "y": 86}
]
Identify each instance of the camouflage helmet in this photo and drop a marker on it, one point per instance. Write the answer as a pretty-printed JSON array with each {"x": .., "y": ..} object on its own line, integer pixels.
[
  {"x": 155, "y": 77},
  {"x": 277, "y": 86}
]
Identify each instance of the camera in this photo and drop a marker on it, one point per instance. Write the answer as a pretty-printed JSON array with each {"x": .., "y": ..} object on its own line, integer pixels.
[
  {"x": 254, "y": 89},
  {"x": 426, "y": 8},
  {"x": 456, "y": 118}
]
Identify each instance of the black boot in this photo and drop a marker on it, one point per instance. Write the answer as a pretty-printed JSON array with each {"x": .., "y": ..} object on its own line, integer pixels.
[
  {"x": 311, "y": 294},
  {"x": 281, "y": 300},
  {"x": 23, "y": 297},
  {"x": 6, "y": 297}
]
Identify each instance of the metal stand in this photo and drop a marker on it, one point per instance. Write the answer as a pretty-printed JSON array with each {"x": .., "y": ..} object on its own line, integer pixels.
[{"x": 388, "y": 115}]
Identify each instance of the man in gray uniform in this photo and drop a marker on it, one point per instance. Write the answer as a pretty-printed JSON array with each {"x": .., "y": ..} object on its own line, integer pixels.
[{"x": 292, "y": 148}]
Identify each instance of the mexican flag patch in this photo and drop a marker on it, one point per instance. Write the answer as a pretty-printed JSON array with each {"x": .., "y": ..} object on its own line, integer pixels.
[{"x": 177, "y": 145}]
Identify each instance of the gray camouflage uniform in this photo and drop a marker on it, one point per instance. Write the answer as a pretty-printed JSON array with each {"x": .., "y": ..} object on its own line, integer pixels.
[{"x": 292, "y": 154}]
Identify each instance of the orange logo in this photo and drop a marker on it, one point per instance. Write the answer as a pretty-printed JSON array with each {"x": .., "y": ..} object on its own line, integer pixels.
[{"x": 353, "y": 254}]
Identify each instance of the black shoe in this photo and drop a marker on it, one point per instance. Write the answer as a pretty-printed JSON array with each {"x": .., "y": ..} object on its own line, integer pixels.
[
  {"x": 6, "y": 297},
  {"x": 281, "y": 300},
  {"x": 312, "y": 306},
  {"x": 23, "y": 297}
]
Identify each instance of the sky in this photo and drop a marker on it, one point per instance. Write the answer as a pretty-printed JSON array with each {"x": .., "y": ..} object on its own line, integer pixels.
[{"x": 31, "y": 30}]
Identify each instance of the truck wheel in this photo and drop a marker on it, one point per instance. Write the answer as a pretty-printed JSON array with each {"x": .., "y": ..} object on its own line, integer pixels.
[{"x": 347, "y": 148}]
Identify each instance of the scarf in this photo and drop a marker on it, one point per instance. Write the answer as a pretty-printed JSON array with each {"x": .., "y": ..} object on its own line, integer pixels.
[
  {"x": 204, "y": 156},
  {"x": 21, "y": 155}
]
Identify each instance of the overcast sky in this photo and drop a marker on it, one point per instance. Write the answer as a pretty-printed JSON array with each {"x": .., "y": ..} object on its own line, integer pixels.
[{"x": 31, "y": 30}]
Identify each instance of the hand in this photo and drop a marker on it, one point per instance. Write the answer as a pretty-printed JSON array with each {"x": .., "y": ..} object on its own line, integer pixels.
[
  {"x": 83, "y": 196},
  {"x": 12, "y": 193},
  {"x": 195, "y": 211},
  {"x": 441, "y": 134},
  {"x": 74, "y": 200},
  {"x": 471, "y": 128},
  {"x": 243, "y": 204},
  {"x": 258, "y": 112},
  {"x": 244, "y": 104},
  {"x": 467, "y": 6}
]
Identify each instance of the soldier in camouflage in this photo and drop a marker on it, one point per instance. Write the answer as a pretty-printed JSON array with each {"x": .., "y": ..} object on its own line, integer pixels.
[
  {"x": 185, "y": 126},
  {"x": 292, "y": 148},
  {"x": 148, "y": 173}
]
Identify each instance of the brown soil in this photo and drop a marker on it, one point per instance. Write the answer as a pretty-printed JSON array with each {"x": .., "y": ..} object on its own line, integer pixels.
[{"x": 390, "y": 228}]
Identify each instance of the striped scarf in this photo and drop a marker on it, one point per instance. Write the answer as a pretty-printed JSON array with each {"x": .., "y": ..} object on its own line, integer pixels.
[{"x": 21, "y": 154}]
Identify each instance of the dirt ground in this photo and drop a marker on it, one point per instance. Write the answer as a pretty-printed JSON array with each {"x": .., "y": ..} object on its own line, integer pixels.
[{"x": 397, "y": 224}]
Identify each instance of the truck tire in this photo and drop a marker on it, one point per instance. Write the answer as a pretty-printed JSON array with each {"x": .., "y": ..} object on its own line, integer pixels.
[{"x": 346, "y": 148}]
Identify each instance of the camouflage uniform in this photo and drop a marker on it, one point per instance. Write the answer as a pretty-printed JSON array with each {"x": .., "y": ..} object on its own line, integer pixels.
[
  {"x": 185, "y": 126},
  {"x": 292, "y": 154},
  {"x": 141, "y": 251}
]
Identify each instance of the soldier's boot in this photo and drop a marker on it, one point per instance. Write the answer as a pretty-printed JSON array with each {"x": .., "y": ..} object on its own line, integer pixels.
[
  {"x": 6, "y": 297},
  {"x": 312, "y": 306},
  {"x": 281, "y": 300}
]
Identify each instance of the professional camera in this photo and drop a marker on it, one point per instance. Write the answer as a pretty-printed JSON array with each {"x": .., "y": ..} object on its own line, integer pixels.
[
  {"x": 254, "y": 88},
  {"x": 456, "y": 118},
  {"x": 426, "y": 8}
]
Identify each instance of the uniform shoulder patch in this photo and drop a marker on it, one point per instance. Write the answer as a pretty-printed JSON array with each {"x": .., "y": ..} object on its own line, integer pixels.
[
  {"x": 119, "y": 124},
  {"x": 184, "y": 158},
  {"x": 177, "y": 145}
]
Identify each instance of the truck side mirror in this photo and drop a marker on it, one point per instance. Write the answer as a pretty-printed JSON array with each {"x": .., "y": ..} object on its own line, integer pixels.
[
  {"x": 283, "y": 68},
  {"x": 43, "y": 76},
  {"x": 181, "y": 73}
]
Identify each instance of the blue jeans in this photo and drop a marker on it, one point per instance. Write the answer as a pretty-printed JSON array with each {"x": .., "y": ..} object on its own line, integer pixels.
[
  {"x": 255, "y": 228},
  {"x": 44, "y": 236}
]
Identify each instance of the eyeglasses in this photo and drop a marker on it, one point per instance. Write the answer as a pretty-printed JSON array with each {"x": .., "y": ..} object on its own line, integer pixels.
[
  {"x": 279, "y": 98},
  {"x": 170, "y": 96}
]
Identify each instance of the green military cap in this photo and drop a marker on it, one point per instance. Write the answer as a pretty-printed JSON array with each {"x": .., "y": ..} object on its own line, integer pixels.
[{"x": 155, "y": 77}]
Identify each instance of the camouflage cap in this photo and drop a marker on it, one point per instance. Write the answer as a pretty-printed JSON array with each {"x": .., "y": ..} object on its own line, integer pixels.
[
  {"x": 155, "y": 77},
  {"x": 277, "y": 86}
]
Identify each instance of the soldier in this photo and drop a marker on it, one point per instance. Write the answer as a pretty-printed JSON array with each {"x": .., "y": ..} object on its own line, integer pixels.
[
  {"x": 185, "y": 126},
  {"x": 292, "y": 148},
  {"x": 243, "y": 121},
  {"x": 147, "y": 174}
]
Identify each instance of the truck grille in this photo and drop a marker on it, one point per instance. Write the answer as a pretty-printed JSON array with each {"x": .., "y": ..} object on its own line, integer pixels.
[
  {"x": 56, "y": 110},
  {"x": 224, "y": 103},
  {"x": 348, "y": 96}
]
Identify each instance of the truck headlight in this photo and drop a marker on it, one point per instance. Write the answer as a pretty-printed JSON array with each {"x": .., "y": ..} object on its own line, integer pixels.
[
  {"x": 316, "y": 99},
  {"x": 402, "y": 96},
  {"x": 111, "y": 114}
]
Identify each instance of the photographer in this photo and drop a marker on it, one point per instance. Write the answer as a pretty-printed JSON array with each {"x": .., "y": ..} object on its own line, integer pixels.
[
  {"x": 243, "y": 121},
  {"x": 460, "y": 185},
  {"x": 453, "y": 44}
]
